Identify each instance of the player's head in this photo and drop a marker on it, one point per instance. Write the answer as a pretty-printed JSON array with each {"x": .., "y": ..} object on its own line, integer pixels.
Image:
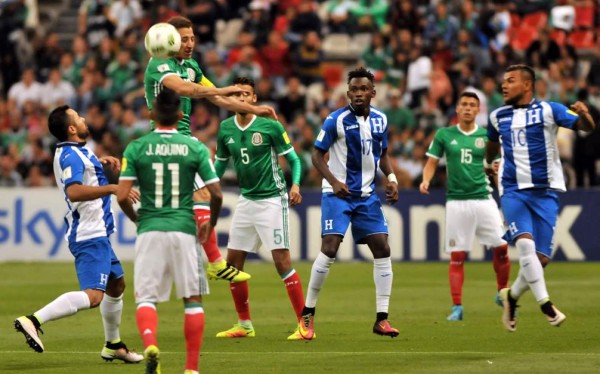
[
  {"x": 518, "y": 84},
  {"x": 188, "y": 41},
  {"x": 166, "y": 109},
  {"x": 467, "y": 107},
  {"x": 248, "y": 95},
  {"x": 66, "y": 124},
  {"x": 361, "y": 88}
]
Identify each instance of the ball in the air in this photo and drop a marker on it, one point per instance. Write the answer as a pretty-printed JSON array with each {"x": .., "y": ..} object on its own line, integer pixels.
[{"x": 162, "y": 41}]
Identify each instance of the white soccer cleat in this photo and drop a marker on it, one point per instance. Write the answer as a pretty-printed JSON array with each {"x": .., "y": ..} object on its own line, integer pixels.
[
  {"x": 25, "y": 326},
  {"x": 509, "y": 310},
  {"x": 120, "y": 352},
  {"x": 557, "y": 319}
]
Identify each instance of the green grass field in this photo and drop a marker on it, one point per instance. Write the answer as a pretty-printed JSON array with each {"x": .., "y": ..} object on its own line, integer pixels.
[{"x": 345, "y": 314}]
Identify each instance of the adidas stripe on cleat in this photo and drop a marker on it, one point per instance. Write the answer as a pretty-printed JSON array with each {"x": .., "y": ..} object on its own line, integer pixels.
[
  {"x": 27, "y": 328},
  {"x": 226, "y": 271}
]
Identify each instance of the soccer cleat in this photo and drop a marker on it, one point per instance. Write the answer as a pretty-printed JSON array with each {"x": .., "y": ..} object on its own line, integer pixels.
[
  {"x": 497, "y": 300},
  {"x": 226, "y": 271},
  {"x": 456, "y": 314},
  {"x": 26, "y": 326},
  {"x": 384, "y": 328},
  {"x": 152, "y": 355},
  {"x": 237, "y": 331},
  {"x": 188, "y": 371},
  {"x": 509, "y": 310},
  {"x": 119, "y": 351},
  {"x": 558, "y": 318},
  {"x": 297, "y": 336},
  {"x": 306, "y": 327}
]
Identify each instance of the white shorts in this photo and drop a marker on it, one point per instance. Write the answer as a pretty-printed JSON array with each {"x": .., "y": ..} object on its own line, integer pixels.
[
  {"x": 260, "y": 221},
  {"x": 164, "y": 257},
  {"x": 467, "y": 218}
]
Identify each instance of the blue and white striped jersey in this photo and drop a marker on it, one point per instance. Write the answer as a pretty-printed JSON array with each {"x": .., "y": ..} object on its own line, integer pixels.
[
  {"x": 530, "y": 156},
  {"x": 75, "y": 163},
  {"x": 355, "y": 145}
]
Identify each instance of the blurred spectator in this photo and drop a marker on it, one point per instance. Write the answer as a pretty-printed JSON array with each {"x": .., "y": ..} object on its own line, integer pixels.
[
  {"x": 371, "y": 15},
  {"x": 400, "y": 118},
  {"x": 204, "y": 124},
  {"x": 378, "y": 56},
  {"x": 404, "y": 15},
  {"x": 308, "y": 59},
  {"x": 35, "y": 155},
  {"x": 339, "y": 19},
  {"x": 247, "y": 65},
  {"x": 48, "y": 55},
  {"x": 293, "y": 101},
  {"x": 256, "y": 23},
  {"x": 234, "y": 54},
  {"x": 35, "y": 178},
  {"x": 204, "y": 15},
  {"x": 57, "y": 91},
  {"x": 9, "y": 177},
  {"x": 27, "y": 89},
  {"x": 275, "y": 58},
  {"x": 586, "y": 149},
  {"x": 94, "y": 23},
  {"x": 442, "y": 25},
  {"x": 418, "y": 78},
  {"x": 159, "y": 11},
  {"x": 494, "y": 98},
  {"x": 546, "y": 49},
  {"x": 125, "y": 15},
  {"x": 306, "y": 20},
  {"x": 215, "y": 70},
  {"x": 105, "y": 54},
  {"x": 12, "y": 20},
  {"x": 121, "y": 72}
]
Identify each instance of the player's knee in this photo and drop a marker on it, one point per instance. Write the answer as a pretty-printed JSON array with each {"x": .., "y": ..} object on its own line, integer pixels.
[
  {"x": 543, "y": 259},
  {"x": 95, "y": 296},
  {"x": 115, "y": 287}
]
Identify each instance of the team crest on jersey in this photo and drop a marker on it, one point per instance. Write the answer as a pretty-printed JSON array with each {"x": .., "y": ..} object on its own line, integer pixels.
[
  {"x": 479, "y": 143},
  {"x": 191, "y": 74},
  {"x": 257, "y": 138}
]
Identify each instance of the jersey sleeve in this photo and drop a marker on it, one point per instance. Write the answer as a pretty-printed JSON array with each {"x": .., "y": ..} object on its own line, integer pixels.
[
  {"x": 436, "y": 148},
  {"x": 223, "y": 153},
  {"x": 158, "y": 69},
  {"x": 492, "y": 132},
  {"x": 72, "y": 168},
  {"x": 128, "y": 163},
  {"x": 328, "y": 134},
  {"x": 281, "y": 140},
  {"x": 206, "y": 169},
  {"x": 563, "y": 116}
]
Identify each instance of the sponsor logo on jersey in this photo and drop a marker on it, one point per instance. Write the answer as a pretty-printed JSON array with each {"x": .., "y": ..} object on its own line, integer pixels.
[
  {"x": 351, "y": 127},
  {"x": 191, "y": 74},
  {"x": 230, "y": 141},
  {"x": 163, "y": 68},
  {"x": 454, "y": 142},
  {"x": 257, "y": 138},
  {"x": 321, "y": 135},
  {"x": 479, "y": 143},
  {"x": 67, "y": 173},
  {"x": 505, "y": 119}
]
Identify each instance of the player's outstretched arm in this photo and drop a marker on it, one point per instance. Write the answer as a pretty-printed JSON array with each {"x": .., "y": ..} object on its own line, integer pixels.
[
  {"x": 195, "y": 90},
  {"x": 237, "y": 106},
  {"x": 428, "y": 173}
]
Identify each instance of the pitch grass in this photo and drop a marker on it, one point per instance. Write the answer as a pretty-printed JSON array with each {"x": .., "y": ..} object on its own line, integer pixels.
[{"x": 345, "y": 344}]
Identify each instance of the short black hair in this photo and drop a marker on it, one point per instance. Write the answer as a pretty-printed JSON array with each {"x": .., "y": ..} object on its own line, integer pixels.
[
  {"x": 166, "y": 107},
  {"x": 529, "y": 73},
  {"x": 58, "y": 121},
  {"x": 244, "y": 81},
  {"x": 361, "y": 72},
  {"x": 469, "y": 94}
]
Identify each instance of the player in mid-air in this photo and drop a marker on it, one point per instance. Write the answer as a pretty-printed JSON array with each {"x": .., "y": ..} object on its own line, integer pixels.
[
  {"x": 164, "y": 164},
  {"x": 262, "y": 212},
  {"x": 90, "y": 221},
  {"x": 470, "y": 209},
  {"x": 183, "y": 75},
  {"x": 529, "y": 177},
  {"x": 356, "y": 138}
]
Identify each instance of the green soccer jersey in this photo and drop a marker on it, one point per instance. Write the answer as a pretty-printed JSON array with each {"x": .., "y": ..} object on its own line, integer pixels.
[
  {"x": 164, "y": 163},
  {"x": 464, "y": 162},
  {"x": 255, "y": 150},
  {"x": 157, "y": 70}
]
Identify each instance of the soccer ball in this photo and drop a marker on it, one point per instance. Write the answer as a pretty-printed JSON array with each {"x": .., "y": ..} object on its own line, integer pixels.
[{"x": 162, "y": 40}]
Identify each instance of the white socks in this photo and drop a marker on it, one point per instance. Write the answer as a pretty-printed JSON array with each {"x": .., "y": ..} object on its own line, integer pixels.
[
  {"x": 383, "y": 276},
  {"x": 318, "y": 275},
  {"x": 63, "y": 306},
  {"x": 532, "y": 269},
  {"x": 519, "y": 286},
  {"x": 111, "y": 309}
]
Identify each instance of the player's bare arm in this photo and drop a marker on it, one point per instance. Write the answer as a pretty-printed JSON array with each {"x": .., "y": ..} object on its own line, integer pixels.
[
  {"x": 216, "y": 201},
  {"x": 295, "y": 197},
  {"x": 492, "y": 149},
  {"x": 586, "y": 122},
  {"x": 194, "y": 90},
  {"x": 79, "y": 192},
  {"x": 318, "y": 160},
  {"x": 428, "y": 173},
  {"x": 234, "y": 105},
  {"x": 124, "y": 198},
  {"x": 391, "y": 188}
]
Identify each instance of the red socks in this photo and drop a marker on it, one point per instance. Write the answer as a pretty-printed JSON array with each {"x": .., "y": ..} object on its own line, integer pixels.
[
  {"x": 501, "y": 265},
  {"x": 294, "y": 290},
  {"x": 456, "y": 275},
  {"x": 147, "y": 323},
  {"x": 193, "y": 328},
  {"x": 210, "y": 247},
  {"x": 239, "y": 291}
]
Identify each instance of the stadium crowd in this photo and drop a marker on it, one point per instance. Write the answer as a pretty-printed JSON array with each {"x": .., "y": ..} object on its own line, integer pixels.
[{"x": 424, "y": 53}]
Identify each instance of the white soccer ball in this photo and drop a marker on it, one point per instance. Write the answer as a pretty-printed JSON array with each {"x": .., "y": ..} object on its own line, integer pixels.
[{"x": 162, "y": 40}]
